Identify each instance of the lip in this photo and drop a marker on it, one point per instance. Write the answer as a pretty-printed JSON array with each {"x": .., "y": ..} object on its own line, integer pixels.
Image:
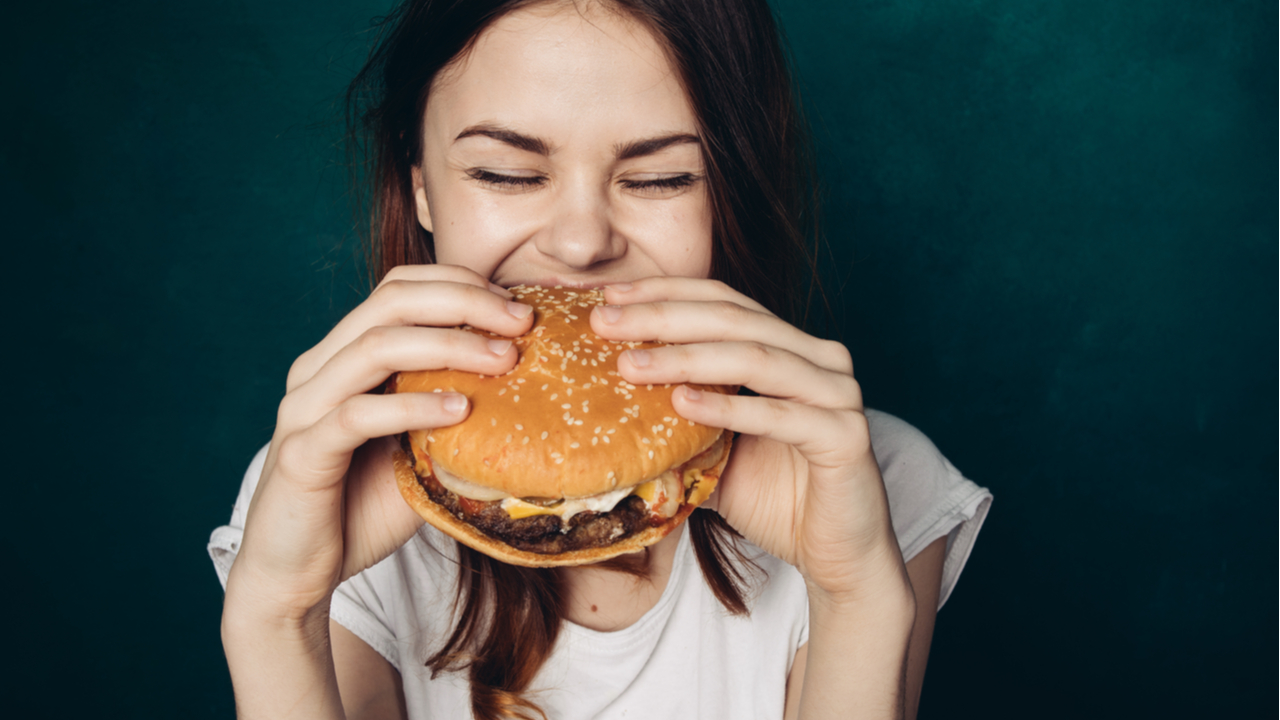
[{"x": 563, "y": 282}]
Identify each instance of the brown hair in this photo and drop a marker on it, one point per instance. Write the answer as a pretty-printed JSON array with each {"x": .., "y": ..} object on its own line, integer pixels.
[{"x": 763, "y": 200}]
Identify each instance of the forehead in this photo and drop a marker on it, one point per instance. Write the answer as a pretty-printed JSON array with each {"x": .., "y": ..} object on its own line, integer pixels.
[{"x": 565, "y": 73}]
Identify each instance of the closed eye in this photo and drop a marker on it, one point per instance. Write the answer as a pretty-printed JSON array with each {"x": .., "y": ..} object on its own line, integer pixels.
[
  {"x": 675, "y": 182},
  {"x": 505, "y": 181}
]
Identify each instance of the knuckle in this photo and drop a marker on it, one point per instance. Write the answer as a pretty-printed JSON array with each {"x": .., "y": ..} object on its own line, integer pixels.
[
  {"x": 299, "y": 371},
  {"x": 756, "y": 352},
  {"x": 840, "y": 356},
  {"x": 390, "y": 292},
  {"x": 373, "y": 341},
  {"x": 292, "y": 451},
  {"x": 394, "y": 274},
  {"x": 350, "y": 416}
]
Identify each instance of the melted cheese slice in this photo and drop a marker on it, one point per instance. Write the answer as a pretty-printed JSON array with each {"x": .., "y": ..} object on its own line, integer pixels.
[{"x": 567, "y": 508}]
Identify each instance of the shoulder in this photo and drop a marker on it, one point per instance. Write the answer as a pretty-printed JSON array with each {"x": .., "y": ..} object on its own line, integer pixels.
[
  {"x": 908, "y": 459},
  {"x": 928, "y": 497}
]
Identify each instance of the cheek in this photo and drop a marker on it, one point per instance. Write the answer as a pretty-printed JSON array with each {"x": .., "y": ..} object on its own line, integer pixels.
[
  {"x": 680, "y": 243},
  {"x": 474, "y": 231}
]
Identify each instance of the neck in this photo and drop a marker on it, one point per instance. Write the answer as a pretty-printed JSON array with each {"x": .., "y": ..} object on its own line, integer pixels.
[{"x": 607, "y": 600}]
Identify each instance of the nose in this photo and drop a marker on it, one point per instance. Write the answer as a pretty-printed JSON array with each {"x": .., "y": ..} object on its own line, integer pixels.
[{"x": 580, "y": 233}]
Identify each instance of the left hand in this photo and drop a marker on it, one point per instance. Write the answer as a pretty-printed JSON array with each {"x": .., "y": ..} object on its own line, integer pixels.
[{"x": 802, "y": 482}]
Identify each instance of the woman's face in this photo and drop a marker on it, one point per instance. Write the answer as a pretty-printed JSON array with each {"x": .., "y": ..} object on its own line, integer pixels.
[{"x": 562, "y": 150}]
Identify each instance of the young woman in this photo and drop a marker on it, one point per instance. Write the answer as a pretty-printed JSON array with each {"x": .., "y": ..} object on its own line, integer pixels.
[{"x": 652, "y": 149}]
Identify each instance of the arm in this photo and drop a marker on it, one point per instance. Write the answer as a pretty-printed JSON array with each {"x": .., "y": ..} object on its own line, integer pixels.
[
  {"x": 371, "y": 688},
  {"x": 327, "y": 506},
  {"x": 802, "y": 483},
  {"x": 925, "y": 571}
]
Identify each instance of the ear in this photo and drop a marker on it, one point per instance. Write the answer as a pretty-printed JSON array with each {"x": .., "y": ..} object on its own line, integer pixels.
[{"x": 420, "y": 199}]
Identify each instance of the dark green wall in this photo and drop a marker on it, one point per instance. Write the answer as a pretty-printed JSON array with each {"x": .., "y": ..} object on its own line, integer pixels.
[{"x": 1052, "y": 237}]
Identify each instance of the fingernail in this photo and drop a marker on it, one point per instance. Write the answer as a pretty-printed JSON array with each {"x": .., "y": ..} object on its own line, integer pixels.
[
  {"x": 639, "y": 358},
  {"x": 500, "y": 290},
  {"x": 692, "y": 395},
  {"x": 519, "y": 311},
  {"x": 620, "y": 287},
  {"x": 609, "y": 313},
  {"x": 454, "y": 403},
  {"x": 499, "y": 347}
]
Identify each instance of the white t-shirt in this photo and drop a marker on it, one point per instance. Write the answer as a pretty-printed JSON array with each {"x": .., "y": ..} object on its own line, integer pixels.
[{"x": 686, "y": 657}]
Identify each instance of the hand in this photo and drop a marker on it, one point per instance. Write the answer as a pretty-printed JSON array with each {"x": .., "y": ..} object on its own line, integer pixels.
[
  {"x": 327, "y": 506},
  {"x": 802, "y": 482}
]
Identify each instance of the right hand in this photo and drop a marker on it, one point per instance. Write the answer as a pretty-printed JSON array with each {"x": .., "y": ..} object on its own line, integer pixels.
[{"x": 327, "y": 505}]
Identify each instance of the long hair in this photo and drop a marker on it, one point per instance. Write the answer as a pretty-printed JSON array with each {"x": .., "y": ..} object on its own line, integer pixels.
[{"x": 763, "y": 196}]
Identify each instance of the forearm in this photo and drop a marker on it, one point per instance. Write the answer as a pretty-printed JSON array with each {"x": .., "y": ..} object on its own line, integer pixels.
[
  {"x": 856, "y": 665},
  {"x": 281, "y": 667}
]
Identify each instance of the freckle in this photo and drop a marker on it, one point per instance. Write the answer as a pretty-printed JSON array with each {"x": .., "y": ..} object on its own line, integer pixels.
[{"x": 593, "y": 608}]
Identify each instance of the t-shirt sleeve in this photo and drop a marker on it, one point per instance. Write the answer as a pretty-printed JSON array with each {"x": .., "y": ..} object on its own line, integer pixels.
[
  {"x": 928, "y": 497},
  {"x": 358, "y": 603},
  {"x": 224, "y": 542}
]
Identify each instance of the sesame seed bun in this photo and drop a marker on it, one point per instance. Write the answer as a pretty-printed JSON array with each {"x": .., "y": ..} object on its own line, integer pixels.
[{"x": 563, "y": 422}]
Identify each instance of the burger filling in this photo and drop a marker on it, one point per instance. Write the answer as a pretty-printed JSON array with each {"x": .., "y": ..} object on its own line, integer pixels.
[{"x": 567, "y": 524}]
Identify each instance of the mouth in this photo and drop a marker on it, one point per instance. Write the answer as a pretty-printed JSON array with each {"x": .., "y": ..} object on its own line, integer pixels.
[{"x": 564, "y": 282}]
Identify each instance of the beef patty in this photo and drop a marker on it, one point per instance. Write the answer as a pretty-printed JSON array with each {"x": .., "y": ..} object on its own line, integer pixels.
[{"x": 542, "y": 533}]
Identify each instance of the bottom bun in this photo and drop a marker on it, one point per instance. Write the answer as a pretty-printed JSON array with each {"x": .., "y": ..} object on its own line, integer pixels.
[{"x": 445, "y": 521}]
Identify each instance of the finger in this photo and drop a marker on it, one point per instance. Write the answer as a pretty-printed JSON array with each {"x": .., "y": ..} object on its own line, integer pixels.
[
  {"x": 687, "y": 322},
  {"x": 443, "y": 273},
  {"x": 409, "y": 302},
  {"x": 764, "y": 369},
  {"x": 658, "y": 289},
  {"x": 318, "y": 456},
  {"x": 830, "y": 438},
  {"x": 370, "y": 359}
]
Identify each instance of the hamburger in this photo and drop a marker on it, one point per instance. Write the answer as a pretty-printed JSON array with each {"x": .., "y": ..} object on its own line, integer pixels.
[{"x": 561, "y": 461}]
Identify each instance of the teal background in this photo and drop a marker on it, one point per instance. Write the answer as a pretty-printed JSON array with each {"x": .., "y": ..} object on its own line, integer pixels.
[{"x": 1054, "y": 249}]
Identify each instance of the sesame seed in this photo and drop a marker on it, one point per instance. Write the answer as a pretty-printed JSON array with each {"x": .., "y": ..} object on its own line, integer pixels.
[
  {"x": 574, "y": 445},
  {"x": 515, "y": 399},
  {"x": 612, "y": 431},
  {"x": 525, "y": 441},
  {"x": 455, "y": 452},
  {"x": 597, "y": 431},
  {"x": 662, "y": 442},
  {"x": 493, "y": 422},
  {"x": 503, "y": 391},
  {"x": 606, "y": 439},
  {"x": 644, "y": 440},
  {"x": 565, "y": 406},
  {"x": 544, "y": 386},
  {"x": 668, "y": 432},
  {"x": 559, "y": 460},
  {"x": 622, "y": 419},
  {"x": 650, "y": 454},
  {"x": 519, "y": 426},
  {"x": 594, "y": 440},
  {"x": 544, "y": 434},
  {"x": 555, "y": 395},
  {"x": 436, "y": 390},
  {"x": 508, "y": 438}
]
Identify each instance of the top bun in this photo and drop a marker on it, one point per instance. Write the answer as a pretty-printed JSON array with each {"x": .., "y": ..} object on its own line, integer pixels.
[{"x": 563, "y": 422}]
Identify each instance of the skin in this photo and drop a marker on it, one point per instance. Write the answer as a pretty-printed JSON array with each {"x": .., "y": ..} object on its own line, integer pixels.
[{"x": 562, "y": 150}]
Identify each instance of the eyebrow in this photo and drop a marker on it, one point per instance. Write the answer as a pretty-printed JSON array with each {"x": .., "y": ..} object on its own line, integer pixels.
[{"x": 528, "y": 143}]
